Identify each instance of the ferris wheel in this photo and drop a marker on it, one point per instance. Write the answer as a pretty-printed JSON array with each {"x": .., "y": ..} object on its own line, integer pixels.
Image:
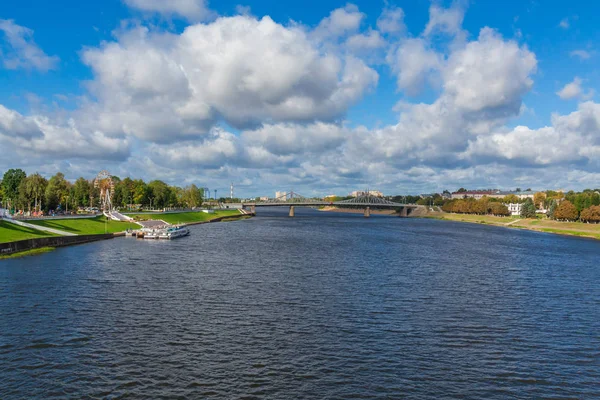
[{"x": 106, "y": 185}]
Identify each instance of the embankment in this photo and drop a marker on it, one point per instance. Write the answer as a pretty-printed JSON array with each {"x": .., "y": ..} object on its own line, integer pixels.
[
  {"x": 53, "y": 241},
  {"x": 532, "y": 224}
]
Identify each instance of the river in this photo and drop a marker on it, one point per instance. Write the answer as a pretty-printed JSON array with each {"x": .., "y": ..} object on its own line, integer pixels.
[{"x": 323, "y": 305}]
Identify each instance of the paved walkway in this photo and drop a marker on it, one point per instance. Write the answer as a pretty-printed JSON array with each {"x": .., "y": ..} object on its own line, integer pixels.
[
  {"x": 38, "y": 227},
  {"x": 513, "y": 222}
]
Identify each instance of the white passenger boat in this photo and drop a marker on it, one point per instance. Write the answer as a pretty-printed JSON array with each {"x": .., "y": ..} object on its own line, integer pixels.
[{"x": 177, "y": 232}]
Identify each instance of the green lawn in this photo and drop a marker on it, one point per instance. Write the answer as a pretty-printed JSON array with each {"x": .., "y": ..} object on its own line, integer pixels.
[
  {"x": 12, "y": 233},
  {"x": 86, "y": 226},
  {"x": 186, "y": 217}
]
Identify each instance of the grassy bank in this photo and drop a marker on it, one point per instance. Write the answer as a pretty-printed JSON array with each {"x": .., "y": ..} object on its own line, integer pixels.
[
  {"x": 12, "y": 233},
  {"x": 187, "y": 217},
  {"x": 26, "y": 253},
  {"x": 540, "y": 225},
  {"x": 86, "y": 226}
]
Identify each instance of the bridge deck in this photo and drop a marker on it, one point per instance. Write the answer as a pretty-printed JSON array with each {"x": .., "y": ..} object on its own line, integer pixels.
[{"x": 323, "y": 203}]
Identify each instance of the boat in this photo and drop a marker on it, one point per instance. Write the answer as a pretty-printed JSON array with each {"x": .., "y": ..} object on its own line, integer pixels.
[{"x": 177, "y": 232}]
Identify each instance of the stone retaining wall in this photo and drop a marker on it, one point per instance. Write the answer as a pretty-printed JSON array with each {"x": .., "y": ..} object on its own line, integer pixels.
[{"x": 58, "y": 241}]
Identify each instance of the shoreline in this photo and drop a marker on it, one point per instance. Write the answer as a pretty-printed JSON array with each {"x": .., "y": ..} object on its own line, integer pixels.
[
  {"x": 574, "y": 229},
  {"x": 36, "y": 246}
]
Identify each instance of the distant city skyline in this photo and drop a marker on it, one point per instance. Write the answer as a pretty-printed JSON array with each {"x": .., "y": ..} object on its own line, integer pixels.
[{"x": 327, "y": 97}]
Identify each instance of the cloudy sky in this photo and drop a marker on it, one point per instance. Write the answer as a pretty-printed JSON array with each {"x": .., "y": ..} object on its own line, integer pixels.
[{"x": 319, "y": 96}]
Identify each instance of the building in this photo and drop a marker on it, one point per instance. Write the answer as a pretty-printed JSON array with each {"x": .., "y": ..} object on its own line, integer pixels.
[
  {"x": 475, "y": 194},
  {"x": 514, "y": 208},
  {"x": 281, "y": 196},
  {"x": 358, "y": 193},
  {"x": 528, "y": 194},
  {"x": 264, "y": 198}
]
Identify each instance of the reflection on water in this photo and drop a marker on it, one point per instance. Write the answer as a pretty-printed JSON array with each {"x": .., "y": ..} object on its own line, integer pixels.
[{"x": 319, "y": 306}]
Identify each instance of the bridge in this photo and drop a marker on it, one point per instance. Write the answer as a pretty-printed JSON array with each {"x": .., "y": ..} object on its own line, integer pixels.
[{"x": 365, "y": 202}]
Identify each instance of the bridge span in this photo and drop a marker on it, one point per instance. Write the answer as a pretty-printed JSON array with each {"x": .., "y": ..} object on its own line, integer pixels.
[{"x": 365, "y": 202}]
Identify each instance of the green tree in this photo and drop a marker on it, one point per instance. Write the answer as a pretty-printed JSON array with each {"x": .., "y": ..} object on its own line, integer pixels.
[
  {"x": 192, "y": 196},
  {"x": 10, "y": 185},
  {"x": 160, "y": 193},
  {"x": 528, "y": 209},
  {"x": 81, "y": 192},
  {"x": 140, "y": 192},
  {"x": 31, "y": 191},
  {"x": 56, "y": 192}
]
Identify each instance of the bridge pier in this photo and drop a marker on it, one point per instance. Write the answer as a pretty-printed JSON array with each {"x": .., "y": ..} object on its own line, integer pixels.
[
  {"x": 404, "y": 212},
  {"x": 253, "y": 209},
  {"x": 367, "y": 212},
  {"x": 292, "y": 211}
]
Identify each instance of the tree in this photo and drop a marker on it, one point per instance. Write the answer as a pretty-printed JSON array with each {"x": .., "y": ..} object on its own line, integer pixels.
[
  {"x": 528, "y": 209},
  {"x": 461, "y": 190},
  {"x": 159, "y": 192},
  {"x": 192, "y": 196},
  {"x": 31, "y": 191},
  {"x": 499, "y": 209},
  {"x": 140, "y": 192},
  {"x": 566, "y": 211},
  {"x": 591, "y": 214},
  {"x": 538, "y": 199},
  {"x": 81, "y": 192},
  {"x": 552, "y": 209},
  {"x": 510, "y": 198},
  {"x": 10, "y": 185},
  {"x": 57, "y": 191}
]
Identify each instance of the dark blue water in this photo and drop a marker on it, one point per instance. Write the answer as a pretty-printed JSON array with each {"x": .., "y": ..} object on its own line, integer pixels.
[{"x": 321, "y": 306}]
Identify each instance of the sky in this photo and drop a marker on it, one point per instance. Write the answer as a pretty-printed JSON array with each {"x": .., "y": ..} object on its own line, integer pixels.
[{"x": 319, "y": 97}]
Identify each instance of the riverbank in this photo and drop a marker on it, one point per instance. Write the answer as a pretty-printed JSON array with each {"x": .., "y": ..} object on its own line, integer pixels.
[
  {"x": 22, "y": 241},
  {"x": 539, "y": 225}
]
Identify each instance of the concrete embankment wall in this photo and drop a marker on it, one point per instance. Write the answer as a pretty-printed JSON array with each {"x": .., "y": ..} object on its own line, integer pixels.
[{"x": 58, "y": 241}]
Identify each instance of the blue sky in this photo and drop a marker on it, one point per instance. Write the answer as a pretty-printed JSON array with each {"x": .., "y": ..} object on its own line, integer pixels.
[{"x": 559, "y": 40}]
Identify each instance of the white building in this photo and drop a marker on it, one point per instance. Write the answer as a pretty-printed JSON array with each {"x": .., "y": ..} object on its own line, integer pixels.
[
  {"x": 514, "y": 208},
  {"x": 358, "y": 193},
  {"x": 281, "y": 196}
]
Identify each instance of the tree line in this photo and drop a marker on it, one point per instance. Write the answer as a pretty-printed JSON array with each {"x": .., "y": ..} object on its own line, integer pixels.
[
  {"x": 34, "y": 193},
  {"x": 583, "y": 206}
]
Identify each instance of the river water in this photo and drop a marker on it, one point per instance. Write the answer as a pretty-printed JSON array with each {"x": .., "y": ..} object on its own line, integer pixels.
[{"x": 323, "y": 305}]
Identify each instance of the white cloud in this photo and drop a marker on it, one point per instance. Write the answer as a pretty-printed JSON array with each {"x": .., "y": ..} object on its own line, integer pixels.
[
  {"x": 574, "y": 90},
  {"x": 391, "y": 21},
  {"x": 40, "y": 136},
  {"x": 564, "y": 23},
  {"x": 243, "y": 70},
  {"x": 365, "y": 42},
  {"x": 192, "y": 10},
  {"x": 340, "y": 22},
  {"x": 490, "y": 74},
  {"x": 159, "y": 104},
  {"x": 21, "y": 51},
  {"x": 445, "y": 20},
  {"x": 414, "y": 62},
  {"x": 572, "y": 138},
  {"x": 581, "y": 54},
  {"x": 285, "y": 139}
]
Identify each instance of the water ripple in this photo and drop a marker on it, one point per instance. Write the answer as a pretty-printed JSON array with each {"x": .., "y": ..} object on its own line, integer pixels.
[{"x": 320, "y": 306}]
